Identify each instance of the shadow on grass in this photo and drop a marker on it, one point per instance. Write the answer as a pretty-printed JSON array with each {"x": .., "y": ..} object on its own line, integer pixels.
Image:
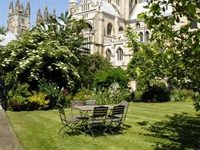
[
  {"x": 98, "y": 131},
  {"x": 181, "y": 130}
]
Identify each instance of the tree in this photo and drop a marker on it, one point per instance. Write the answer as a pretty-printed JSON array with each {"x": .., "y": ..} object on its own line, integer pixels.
[
  {"x": 48, "y": 52},
  {"x": 88, "y": 67},
  {"x": 178, "y": 41},
  {"x": 2, "y": 30}
]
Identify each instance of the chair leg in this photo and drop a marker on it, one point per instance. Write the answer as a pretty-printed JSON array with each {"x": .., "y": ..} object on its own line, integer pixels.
[{"x": 61, "y": 129}]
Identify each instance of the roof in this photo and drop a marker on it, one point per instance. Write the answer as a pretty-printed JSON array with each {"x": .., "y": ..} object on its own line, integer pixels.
[
  {"x": 107, "y": 8},
  {"x": 139, "y": 8},
  {"x": 7, "y": 38},
  {"x": 104, "y": 6}
]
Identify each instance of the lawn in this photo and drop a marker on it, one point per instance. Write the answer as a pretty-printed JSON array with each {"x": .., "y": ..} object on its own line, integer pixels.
[{"x": 173, "y": 126}]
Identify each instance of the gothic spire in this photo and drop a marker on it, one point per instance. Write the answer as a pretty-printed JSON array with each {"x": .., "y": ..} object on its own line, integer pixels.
[
  {"x": 21, "y": 8},
  {"x": 54, "y": 13},
  {"x": 39, "y": 18},
  {"x": 46, "y": 14},
  {"x": 28, "y": 8},
  {"x": 17, "y": 6},
  {"x": 11, "y": 7}
]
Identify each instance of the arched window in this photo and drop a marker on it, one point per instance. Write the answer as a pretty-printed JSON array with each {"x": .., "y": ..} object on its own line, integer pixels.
[
  {"x": 147, "y": 35},
  {"x": 108, "y": 54},
  {"x": 120, "y": 54},
  {"x": 121, "y": 29},
  {"x": 109, "y": 29},
  {"x": 137, "y": 24},
  {"x": 141, "y": 36}
]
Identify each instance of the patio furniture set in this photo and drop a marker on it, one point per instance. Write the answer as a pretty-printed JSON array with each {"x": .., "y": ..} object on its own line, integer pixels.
[{"x": 94, "y": 118}]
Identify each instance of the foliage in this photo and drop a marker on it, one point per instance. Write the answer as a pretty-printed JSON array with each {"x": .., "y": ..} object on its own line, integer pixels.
[
  {"x": 45, "y": 52},
  {"x": 147, "y": 62},
  {"x": 182, "y": 95},
  {"x": 88, "y": 67},
  {"x": 83, "y": 95},
  {"x": 105, "y": 78},
  {"x": 38, "y": 101},
  {"x": 54, "y": 94},
  {"x": 112, "y": 95},
  {"x": 180, "y": 41},
  {"x": 2, "y": 30},
  {"x": 156, "y": 92}
]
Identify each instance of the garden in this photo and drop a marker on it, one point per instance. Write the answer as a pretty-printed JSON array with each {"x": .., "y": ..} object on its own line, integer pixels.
[{"x": 51, "y": 65}]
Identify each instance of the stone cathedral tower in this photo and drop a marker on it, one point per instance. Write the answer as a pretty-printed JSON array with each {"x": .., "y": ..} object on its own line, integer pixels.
[{"x": 18, "y": 17}]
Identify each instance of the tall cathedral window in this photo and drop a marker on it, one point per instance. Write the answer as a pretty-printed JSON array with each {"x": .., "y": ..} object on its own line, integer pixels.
[
  {"x": 119, "y": 54},
  {"x": 141, "y": 36},
  {"x": 121, "y": 29},
  {"x": 109, "y": 29},
  {"x": 147, "y": 35},
  {"x": 108, "y": 54}
]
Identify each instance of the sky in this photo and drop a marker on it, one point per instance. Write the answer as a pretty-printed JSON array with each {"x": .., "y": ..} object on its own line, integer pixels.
[{"x": 59, "y": 5}]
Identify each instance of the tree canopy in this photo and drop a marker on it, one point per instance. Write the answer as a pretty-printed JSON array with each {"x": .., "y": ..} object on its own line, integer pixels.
[
  {"x": 174, "y": 51},
  {"x": 48, "y": 52}
]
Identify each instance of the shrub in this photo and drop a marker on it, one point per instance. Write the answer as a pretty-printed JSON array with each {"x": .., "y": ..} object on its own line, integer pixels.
[
  {"x": 156, "y": 92},
  {"x": 18, "y": 97},
  {"x": 113, "y": 95},
  {"x": 83, "y": 95},
  {"x": 104, "y": 79},
  {"x": 37, "y": 101},
  {"x": 18, "y": 103},
  {"x": 54, "y": 94},
  {"x": 182, "y": 95}
]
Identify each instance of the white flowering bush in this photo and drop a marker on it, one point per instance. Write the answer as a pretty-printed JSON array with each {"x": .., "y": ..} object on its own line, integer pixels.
[{"x": 47, "y": 52}]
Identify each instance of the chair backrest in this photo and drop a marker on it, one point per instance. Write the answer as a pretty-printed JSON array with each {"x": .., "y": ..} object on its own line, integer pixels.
[
  {"x": 77, "y": 103},
  {"x": 118, "y": 110},
  {"x": 62, "y": 114},
  {"x": 100, "y": 112},
  {"x": 90, "y": 102},
  {"x": 126, "y": 104}
]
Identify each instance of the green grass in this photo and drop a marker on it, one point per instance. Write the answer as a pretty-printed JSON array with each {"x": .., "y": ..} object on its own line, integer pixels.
[{"x": 153, "y": 126}]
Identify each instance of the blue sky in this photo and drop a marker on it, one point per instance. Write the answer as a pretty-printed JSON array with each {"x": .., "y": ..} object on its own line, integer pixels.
[{"x": 59, "y": 5}]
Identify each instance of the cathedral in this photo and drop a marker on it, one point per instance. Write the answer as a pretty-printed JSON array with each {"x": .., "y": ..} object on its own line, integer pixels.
[{"x": 108, "y": 20}]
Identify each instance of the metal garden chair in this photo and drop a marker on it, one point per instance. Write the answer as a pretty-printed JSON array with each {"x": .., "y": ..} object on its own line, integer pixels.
[
  {"x": 115, "y": 118},
  {"x": 126, "y": 104},
  {"x": 72, "y": 123},
  {"x": 97, "y": 120}
]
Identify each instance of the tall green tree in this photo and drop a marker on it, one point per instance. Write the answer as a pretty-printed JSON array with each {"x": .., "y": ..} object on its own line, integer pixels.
[
  {"x": 48, "y": 52},
  {"x": 178, "y": 42}
]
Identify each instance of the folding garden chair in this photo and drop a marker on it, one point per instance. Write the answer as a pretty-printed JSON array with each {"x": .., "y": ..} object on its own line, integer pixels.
[
  {"x": 126, "y": 104},
  {"x": 115, "y": 118},
  {"x": 97, "y": 120},
  {"x": 72, "y": 123}
]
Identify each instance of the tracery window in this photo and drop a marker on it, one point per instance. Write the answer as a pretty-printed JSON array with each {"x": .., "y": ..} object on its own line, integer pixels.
[
  {"x": 108, "y": 54},
  {"x": 120, "y": 54},
  {"x": 109, "y": 29}
]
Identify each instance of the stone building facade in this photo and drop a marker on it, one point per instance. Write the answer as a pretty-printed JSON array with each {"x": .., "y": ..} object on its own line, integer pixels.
[{"x": 108, "y": 20}]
